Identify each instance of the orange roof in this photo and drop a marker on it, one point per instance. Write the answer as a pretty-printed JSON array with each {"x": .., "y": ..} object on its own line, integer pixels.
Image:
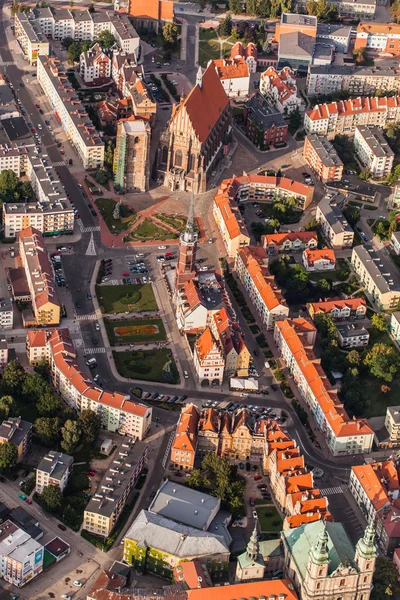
[
  {"x": 205, "y": 343},
  {"x": 292, "y": 236},
  {"x": 370, "y": 477},
  {"x": 37, "y": 338},
  {"x": 255, "y": 260},
  {"x": 313, "y": 256},
  {"x": 381, "y": 28},
  {"x": 186, "y": 430},
  {"x": 193, "y": 298},
  {"x": 298, "y": 520},
  {"x": 230, "y": 213},
  {"x": 329, "y": 305},
  {"x": 245, "y": 591},
  {"x": 209, "y": 420},
  {"x": 353, "y": 106},
  {"x": 297, "y": 483},
  {"x": 231, "y": 69},
  {"x": 239, "y": 50},
  {"x": 193, "y": 574}
]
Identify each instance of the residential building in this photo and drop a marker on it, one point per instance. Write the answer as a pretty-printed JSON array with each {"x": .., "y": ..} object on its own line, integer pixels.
[
  {"x": 229, "y": 220},
  {"x": 70, "y": 112},
  {"x": 143, "y": 104},
  {"x": 379, "y": 37},
  {"x": 234, "y": 74},
  {"x": 106, "y": 505},
  {"x": 3, "y": 353},
  {"x": 251, "y": 266},
  {"x": 132, "y": 155},
  {"x": 264, "y": 123},
  {"x": 357, "y": 81},
  {"x": 318, "y": 558},
  {"x": 18, "y": 432},
  {"x": 349, "y": 309},
  {"x": 236, "y": 354},
  {"x": 21, "y": 556},
  {"x": 376, "y": 278},
  {"x": 322, "y": 157},
  {"x": 289, "y": 241},
  {"x": 395, "y": 242},
  {"x": 8, "y": 110},
  {"x": 6, "y": 314},
  {"x": 208, "y": 359},
  {"x": 280, "y": 589},
  {"x": 118, "y": 412},
  {"x": 30, "y": 38},
  {"x": 344, "y": 116},
  {"x": 151, "y": 15},
  {"x": 281, "y": 89},
  {"x": 183, "y": 449},
  {"x": 158, "y": 544},
  {"x": 373, "y": 150},
  {"x": 333, "y": 223},
  {"x": 319, "y": 260},
  {"x": 295, "y": 339},
  {"x": 394, "y": 326},
  {"x": 54, "y": 469},
  {"x": 351, "y": 336},
  {"x": 14, "y": 157},
  {"x": 392, "y": 424},
  {"x": 95, "y": 65},
  {"x": 339, "y": 34},
  {"x": 197, "y": 136},
  {"x": 249, "y": 54},
  {"x": 40, "y": 276}
]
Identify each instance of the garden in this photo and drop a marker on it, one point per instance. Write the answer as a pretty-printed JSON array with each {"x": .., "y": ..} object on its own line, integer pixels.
[
  {"x": 147, "y": 365},
  {"x": 118, "y": 217},
  {"x": 135, "y": 330},
  {"x": 147, "y": 230},
  {"x": 209, "y": 47},
  {"x": 269, "y": 519},
  {"x": 115, "y": 299},
  {"x": 178, "y": 222}
]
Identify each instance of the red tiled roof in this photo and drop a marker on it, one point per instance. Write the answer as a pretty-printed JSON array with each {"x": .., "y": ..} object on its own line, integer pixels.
[
  {"x": 329, "y": 305},
  {"x": 255, "y": 260},
  {"x": 186, "y": 430},
  {"x": 244, "y": 591},
  {"x": 353, "y": 106},
  {"x": 292, "y": 236},
  {"x": 313, "y": 256},
  {"x": 231, "y": 69}
]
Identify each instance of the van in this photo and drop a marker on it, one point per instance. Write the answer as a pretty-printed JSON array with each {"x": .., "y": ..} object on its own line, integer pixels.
[
  {"x": 91, "y": 361},
  {"x": 139, "y": 255}
]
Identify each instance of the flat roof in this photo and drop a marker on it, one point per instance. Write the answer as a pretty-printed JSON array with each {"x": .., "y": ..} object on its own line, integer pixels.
[
  {"x": 19, "y": 282},
  {"x": 325, "y": 150},
  {"x": 378, "y": 272},
  {"x": 349, "y": 331},
  {"x": 57, "y": 546},
  {"x": 296, "y": 19},
  {"x": 55, "y": 464},
  {"x": 16, "y": 128},
  {"x": 330, "y": 208},
  {"x": 376, "y": 141},
  {"x": 394, "y": 412}
]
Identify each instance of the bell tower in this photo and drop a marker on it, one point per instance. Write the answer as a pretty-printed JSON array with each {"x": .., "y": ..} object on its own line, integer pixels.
[
  {"x": 365, "y": 558},
  {"x": 185, "y": 269},
  {"x": 318, "y": 562}
]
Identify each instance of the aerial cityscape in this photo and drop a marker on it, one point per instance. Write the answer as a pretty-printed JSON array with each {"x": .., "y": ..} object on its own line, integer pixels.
[{"x": 200, "y": 300}]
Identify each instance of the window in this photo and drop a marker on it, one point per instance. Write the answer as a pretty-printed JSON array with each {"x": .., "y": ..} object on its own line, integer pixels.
[{"x": 178, "y": 158}]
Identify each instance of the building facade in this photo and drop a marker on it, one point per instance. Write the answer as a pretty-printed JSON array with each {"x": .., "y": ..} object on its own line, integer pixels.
[
  {"x": 264, "y": 123},
  {"x": 234, "y": 74},
  {"x": 229, "y": 220},
  {"x": 290, "y": 241},
  {"x": 132, "y": 155},
  {"x": 18, "y": 432},
  {"x": 319, "y": 260},
  {"x": 54, "y": 469},
  {"x": 373, "y": 150},
  {"x": 352, "y": 308},
  {"x": 208, "y": 359},
  {"x": 21, "y": 556},
  {"x": 30, "y": 38},
  {"x": 357, "y": 81},
  {"x": 374, "y": 276},
  {"x": 379, "y": 37},
  {"x": 333, "y": 223},
  {"x": 95, "y": 65},
  {"x": 322, "y": 157},
  {"x": 351, "y": 336},
  {"x": 281, "y": 89}
]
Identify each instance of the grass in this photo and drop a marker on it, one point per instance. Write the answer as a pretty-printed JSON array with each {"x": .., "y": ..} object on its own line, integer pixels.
[
  {"x": 106, "y": 207},
  {"x": 178, "y": 222},
  {"x": 147, "y": 230},
  {"x": 340, "y": 274},
  {"x": 115, "y": 299},
  {"x": 114, "y": 338},
  {"x": 147, "y": 365},
  {"x": 269, "y": 519},
  {"x": 209, "y": 48}
]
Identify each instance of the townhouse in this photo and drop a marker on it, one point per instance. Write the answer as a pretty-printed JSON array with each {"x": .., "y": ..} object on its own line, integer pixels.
[
  {"x": 208, "y": 359},
  {"x": 351, "y": 308},
  {"x": 357, "y": 81},
  {"x": 94, "y": 65},
  {"x": 322, "y": 157},
  {"x": 377, "y": 278},
  {"x": 319, "y": 260},
  {"x": 30, "y": 38},
  {"x": 295, "y": 339},
  {"x": 118, "y": 412},
  {"x": 6, "y": 314},
  {"x": 70, "y": 112},
  {"x": 18, "y": 432},
  {"x": 373, "y": 150},
  {"x": 344, "y": 116},
  {"x": 249, "y": 54},
  {"x": 265, "y": 125},
  {"x": 289, "y": 241},
  {"x": 379, "y": 37},
  {"x": 280, "y": 87},
  {"x": 234, "y": 74},
  {"x": 183, "y": 449},
  {"x": 333, "y": 223},
  {"x": 40, "y": 277},
  {"x": 55, "y": 468},
  {"x": 235, "y": 351},
  {"x": 229, "y": 220},
  {"x": 251, "y": 266}
]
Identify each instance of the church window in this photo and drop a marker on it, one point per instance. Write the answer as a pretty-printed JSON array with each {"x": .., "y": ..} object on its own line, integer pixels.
[
  {"x": 318, "y": 586},
  {"x": 342, "y": 582},
  {"x": 164, "y": 155},
  {"x": 192, "y": 162},
  {"x": 368, "y": 565},
  {"x": 136, "y": 140},
  {"x": 366, "y": 579},
  {"x": 320, "y": 572},
  {"x": 178, "y": 158}
]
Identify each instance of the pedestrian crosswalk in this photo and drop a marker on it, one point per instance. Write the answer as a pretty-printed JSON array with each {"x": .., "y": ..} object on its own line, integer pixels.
[
  {"x": 87, "y": 229},
  {"x": 98, "y": 350},
  {"x": 60, "y": 163},
  {"x": 88, "y": 317},
  {"x": 332, "y": 491},
  {"x": 7, "y": 63}
]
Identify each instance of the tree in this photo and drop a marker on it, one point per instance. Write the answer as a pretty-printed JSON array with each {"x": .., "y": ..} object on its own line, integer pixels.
[
  {"x": 379, "y": 322},
  {"x": 109, "y": 155},
  {"x": 71, "y": 3},
  {"x": 324, "y": 285},
  {"x": 67, "y": 41},
  {"x": 295, "y": 120},
  {"x": 74, "y": 52},
  {"x": 225, "y": 27},
  {"x": 311, "y": 7},
  {"x": 352, "y": 214},
  {"x": 13, "y": 377},
  {"x": 90, "y": 423},
  {"x": 383, "y": 361},
  {"x": 71, "y": 433},
  {"x": 9, "y": 183},
  {"x": 52, "y": 498},
  {"x": 7, "y": 407},
  {"x": 195, "y": 479},
  {"x": 8, "y": 455},
  {"x": 381, "y": 230},
  {"x": 170, "y": 32},
  {"x": 106, "y": 39},
  {"x": 311, "y": 225},
  {"x": 48, "y": 429},
  {"x": 360, "y": 55},
  {"x": 235, "y": 6},
  {"x": 49, "y": 404},
  {"x": 15, "y": 7},
  {"x": 326, "y": 328},
  {"x": 251, "y": 8},
  {"x": 395, "y": 10},
  {"x": 102, "y": 176},
  {"x": 384, "y": 580},
  {"x": 91, "y": 8},
  {"x": 353, "y": 357}
]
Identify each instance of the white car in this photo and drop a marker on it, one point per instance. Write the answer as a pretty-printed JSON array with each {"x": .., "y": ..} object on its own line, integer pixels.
[
  {"x": 162, "y": 247},
  {"x": 186, "y": 374},
  {"x": 39, "y": 126},
  {"x": 66, "y": 596},
  {"x": 78, "y": 583},
  {"x": 162, "y": 259},
  {"x": 105, "y": 279},
  {"x": 97, "y": 327},
  {"x": 203, "y": 268}
]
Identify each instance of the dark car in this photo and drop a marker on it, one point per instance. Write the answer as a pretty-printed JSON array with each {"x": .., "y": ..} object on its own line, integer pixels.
[
  {"x": 41, "y": 112},
  {"x": 94, "y": 213},
  {"x": 184, "y": 397},
  {"x": 248, "y": 467},
  {"x": 274, "y": 387},
  {"x": 62, "y": 527},
  {"x": 255, "y": 352},
  {"x": 25, "y": 474},
  {"x": 14, "y": 477},
  {"x": 78, "y": 304},
  {"x": 95, "y": 340},
  {"x": 89, "y": 296},
  {"x": 2, "y": 479}
]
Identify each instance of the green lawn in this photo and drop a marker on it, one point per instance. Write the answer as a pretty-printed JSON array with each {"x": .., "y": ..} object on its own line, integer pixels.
[
  {"x": 209, "y": 48},
  {"x": 178, "y": 222},
  {"x": 147, "y": 230},
  {"x": 123, "y": 298},
  {"x": 106, "y": 207},
  {"x": 269, "y": 519},
  {"x": 338, "y": 274},
  {"x": 140, "y": 335},
  {"x": 147, "y": 365}
]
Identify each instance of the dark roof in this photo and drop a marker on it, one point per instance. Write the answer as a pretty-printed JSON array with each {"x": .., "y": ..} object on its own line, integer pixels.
[
  {"x": 263, "y": 113},
  {"x": 19, "y": 282},
  {"x": 25, "y": 521},
  {"x": 16, "y": 128},
  {"x": 57, "y": 546},
  {"x": 14, "y": 429}
]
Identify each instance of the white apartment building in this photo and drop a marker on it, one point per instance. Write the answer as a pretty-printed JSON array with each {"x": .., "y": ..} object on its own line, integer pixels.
[
  {"x": 281, "y": 88},
  {"x": 358, "y": 81},
  {"x": 319, "y": 260},
  {"x": 3, "y": 352},
  {"x": 394, "y": 326},
  {"x": 372, "y": 487},
  {"x": 21, "y": 557},
  {"x": 392, "y": 424},
  {"x": 395, "y": 242},
  {"x": 94, "y": 64},
  {"x": 14, "y": 158},
  {"x": 70, "y": 112},
  {"x": 30, "y": 37},
  {"x": 373, "y": 150},
  {"x": 251, "y": 266},
  {"x": 6, "y": 314},
  {"x": 54, "y": 469},
  {"x": 208, "y": 358},
  {"x": 334, "y": 225},
  {"x": 350, "y": 336},
  {"x": 379, "y": 282}
]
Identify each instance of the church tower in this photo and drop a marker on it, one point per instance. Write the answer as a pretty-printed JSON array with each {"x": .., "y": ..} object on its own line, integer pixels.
[
  {"x": 250, "y": 564},
  {"x": 185, "y": 269},
  {"x": 318, "y": 562},
  {"x": 365, "y": 558}
]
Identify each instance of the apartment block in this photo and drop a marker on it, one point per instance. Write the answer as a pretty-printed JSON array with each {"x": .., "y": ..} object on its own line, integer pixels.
[
  {"x": 30, "y": 38},
  {"x": 333, "y": 223},
  {"x": 6, "y": 314},
  {"x": 21, "y": 556},
  {"x": 322, "y": 157},
  {"x": 40, "y": 276},
  {"x": 70, "y": 112},
  {"x": 54, "y": 469},
  {"x": 106, "y": 505},
  {"x": 373, "y": 150},
  {"x": 319, "y": 260},
  {"x": 394, "y": 325},
  {"x": 351, "y": 336},
  {"x": 395, "y": 242},
  {"x": 344, "y": 116},
  {"x": 358, "y": 81},
  {"x": 295, "y": 339},
  {"x": 392, "y": 424},
  {"x": 378, "y": 280},
  {"x": 95, "y": 65},
  {"x": 132, "y": 155},
  {"x": 14, "y": 157},
  {"x": 251, "y": 266},
  {"x": 351, "y": 308},
  {"x": 379, "y": 37},
  {"x": 228, "y": 218},
  {"x": 265, "y": 125},
  {"x": 350, "y": 9},
  {"x": 18, "y": 432},
  {"x": 289, "y": 241},
  {"x": 3, "y": 353}
]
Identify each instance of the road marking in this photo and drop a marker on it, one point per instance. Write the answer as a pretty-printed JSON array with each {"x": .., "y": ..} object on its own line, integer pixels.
[
  {"x": 97, "y": 350},
  {"x": 89, "y": 317},
  {"x": 91, "y": 249},
  {"x": 60, "y": 163},
  {"x": 87, "y": 229},
  {"x": 331, "y": 491}
]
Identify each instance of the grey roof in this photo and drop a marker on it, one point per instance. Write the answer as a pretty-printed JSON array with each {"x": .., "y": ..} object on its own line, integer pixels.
[
  {"x": 3, "y": 344},
  {"x": 62, "y": 14},
  {"x": 271, "y": 548},
  {"x": 25, "y": 521},
  {"x": 55, "y": 464},
  {"x": 263, "y": 112},
  {"x": 394, "y": 412},
  {"x": 325, "y": 150},
  {"x": 300, "y": 541},
  {"x": 348, "y": 331},
  {"x": 323, "y": 49},
  {"x": 376, "y": 141},
  {"x": 16, "y": 128},
  {"x": 42, "y": 13},
  {"x": 353, "y": 70},
  {"x": 15, "y": 430},
  {"x": 330, "y": 207},
  {"x": 326, "y": 29},
  {"x": 185, "y": 505},
  {"x": 296, "y": 45},
  {"x": 6, "y": 95},
  {"x": 375, "y": 268},
  {"x": 31, "y": 29},
  {"x": 81, "y": 15},
  {"x": 153, "y": 531},
  {"x": 296, "y": 19}
]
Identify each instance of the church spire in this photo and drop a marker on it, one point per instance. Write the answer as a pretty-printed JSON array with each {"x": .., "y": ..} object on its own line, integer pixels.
[
  {"x": 366, "y": 545},
  {"x": 189, "y": 235},
  {"x": 253, "y": 549},
  {"x": 199, "y": 77},
  {"x": 319, "y": 552}
]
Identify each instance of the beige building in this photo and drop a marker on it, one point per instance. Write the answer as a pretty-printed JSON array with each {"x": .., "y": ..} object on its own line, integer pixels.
[
  {"x": 18, "y": 432},
  {"x": 334, "y": 225},
  {"x": 358, "y": 81},
  {"x": 392, "y": 424},
  {"x": 29, "y": 36},
  {"x": 70, "y": 112},
  {"x": 54, "y": 469},
  {"x": 373, "y": 150},
  {"x": 229, "y": 220},
  {"x": 322, "y": 157},
  {"x": 132, "y": 155},
  {"x": 376, "y": 278},
  {"x": 208, "y": 358}
]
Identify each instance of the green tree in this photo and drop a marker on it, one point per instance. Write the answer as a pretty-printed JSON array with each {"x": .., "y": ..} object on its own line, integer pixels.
[
  {"x": 34, "y": 386},
  {"x": 360, "y": 55},
  {"x": 91, "y": 8},
  {"x": 66, "y": 42},
  {"x": 235, "y": 6},
  {"x": 106, "y": 39},
  {"x": 8, "y": 456},
  {"x": 251, "y": 8},
  {"x": 71, "y": 3},
  {"x": 170, "y": 32},
  {"x": 395, "y": 10},
  {"x": 102, "y": 176},
  {"x": 7, "y": 407},
  {"x": 52, "y": 498},
  {"x": 353, "y": 357},
  {"x": 383, "y": 361},
  {"x": 352, "y": 214},
  {"x": 295, "y": 120},
  {"x": 49, "y": 404},
  {"x": 195, "y": 479},
  {"x": 379, "y": 322},
  {"x": 385, "y": 579},
  {"x": 13, "y": 377},
  {"x": 225, "y": 28},
  {"x": 324, "y": 286},
  {"x": 71, "y": 434},
  {"x": 9, "y": 184},
  {"x": 15, "y": 7},
  {"x": 48, "y": 429},
  {"x": 109, "y": 155},
  {"x": 381, "y": 230},
  {"x": 74, "y": 52},
  {"x": 312, "y": 7},
  {"x": 311, "y": 225},
  {"x": 90, "y": 424},
  {"x": 326, "y": 328}
]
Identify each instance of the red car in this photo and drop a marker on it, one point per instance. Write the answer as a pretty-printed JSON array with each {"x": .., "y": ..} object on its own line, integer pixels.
[
  {"x": 125, "y": 274},
  {"x": 168, "y": 254},
  {"x": 90, "y": 473},
  {"x": 37, "y": 105},
  {"x": 257, "y": 477},
  {"x": 28, "y": 500},
  {"x": 251, "y": 500},
  {"x": 33, "y": 130}
]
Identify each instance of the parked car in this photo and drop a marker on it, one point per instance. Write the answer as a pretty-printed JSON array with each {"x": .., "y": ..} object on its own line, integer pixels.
[
  {"x": 28, "y": 501},
  {"x": 257, "y": 477},
  {"x": 251, "y": 501},
  {"x": 255, "y": 515}
]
